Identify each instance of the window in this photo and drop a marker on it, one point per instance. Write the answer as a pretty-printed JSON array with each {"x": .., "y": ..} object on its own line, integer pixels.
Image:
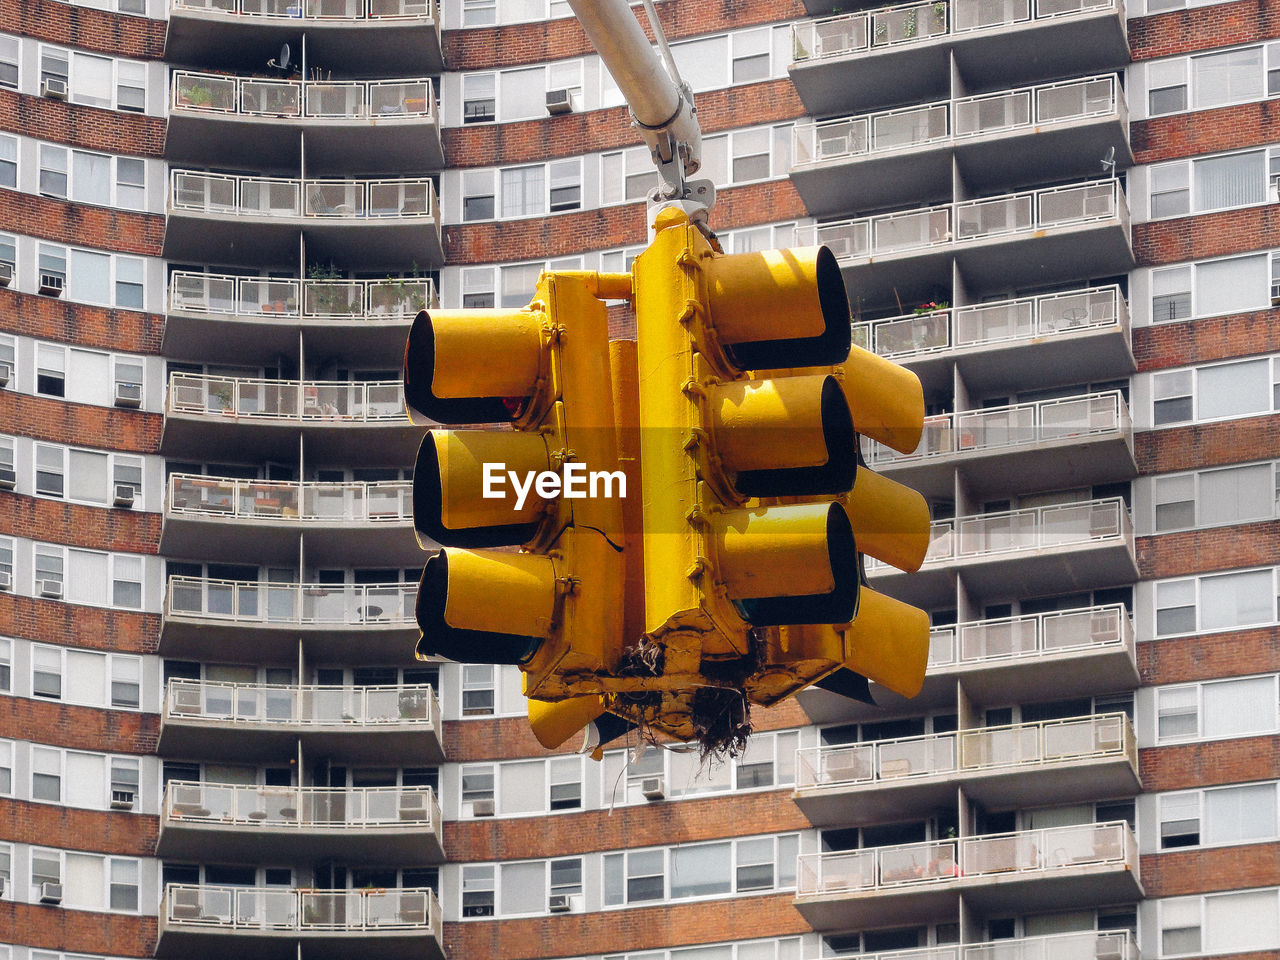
[
  {"x": 1212, "y": 183},
  {"x": 49, "y": 470},
  {"x": 53, "y": 262},
  {"x": 126, "y": 581},
  {"x": 1217, "y": 392},
  {"x": 9, "y": 58},
  {"x": 768, "y": 761},
  {"x": 477, "y": 287},
  {"x": 479, "y": 98},
  {"x": 477, "y": 891},
  {"x": 49, "y": 564},
  {"x": 626, "y": 175},
  {"x": 46, "y": 774},
  {"x": 46, "y": 867},
  {"x": 523, "y": 191},
  {"x": 126, "y": 682},
  {"x": 6, "y": 664},
  {"x": 90, "y": 177},
  {"x": 91, "y": 79},
  {"x": 1179, "y": 820},
  {"x": 131, "y": 85},
  {"x": 1217, "y": 709},
  {"x": 518, "y": 282},
  {"x": 54, "y": 65},
  {"x": 566, "y": 876},
  {"x": 1236, "y": 922},
  {"x": 744, "y": 156},
  {"x": 131, "y": 183},
  {"x": 477, "y": 690},
  {"x": 703, "y": 870},
  {"x": 124, "y": 775},
  {"x": 1232, "y": 285},
  {"x": 751, "y": 55},
  {"x": 128, "y": 283},
  {"x": 8, "y": 161},
  {"x": 565, "y": 783},
  {"x": 128, "y": 373},
  {"x": 1216, "y": 497},
  {"x": 479, "y": 13},
  {"x": 9, "y": 255},
  {"x": 477, "y": 195},
  {"x": 53, "y": 171},
  {"x": 1232, "y": 76},
  {"x": 566, "y": 185},
  {"x": 633, "y": 877},
  {"x": 123, "y": 884},
  {"x": 522, "y": 94},
  {"x": 1223, "y": 601},
  {"x": 127, "y": 473},
  {"x": 477, "y": 783},
  {"x": 6, "y": 557}
]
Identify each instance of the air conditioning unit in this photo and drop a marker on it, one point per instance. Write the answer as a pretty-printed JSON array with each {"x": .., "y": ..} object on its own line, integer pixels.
[
  {"x": 6, "y": 374},
  {"x": 49, "y": 588},
  {"x": 480, "y": 808},
  {"x": 558, "y": 903},
  {"x": 6, "y": 274},
  {"x": 413, "y": 806},
  {"x": 559, "y": 101},
  {"x": 128, "y": 394},
  {"x": 652, "y": 788},
  {"x": 8, "y": 478},
  {"x": 51, "y": 284},
  {"x": 187, "y": 700},
  {"x": 124, "y": 495},
  {"x": 55, "y": 88},
  {"x": 121, "y": 799},
  {"x": 6, "y": 580},
  {"x": 51, "y": 893}
]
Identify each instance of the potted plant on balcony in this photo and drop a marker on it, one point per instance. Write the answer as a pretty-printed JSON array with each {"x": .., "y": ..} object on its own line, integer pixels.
[
  {"x": 404, "y": 294},
  {"x": 196, "y": 95},
  {"x": 328, "y": 300}
]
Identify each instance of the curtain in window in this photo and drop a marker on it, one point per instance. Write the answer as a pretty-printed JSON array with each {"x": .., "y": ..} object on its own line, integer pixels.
[
  {"x": 524, "y": 887},
  {"x": 523, "y": 190},
  {"x": 90, "y": 178},
  {"x": 89, "y": 278},
  {"x": 88, "y": 476},
  {"x": 1233, "y": 389},
  {"x": 89, "y": 377},
  {"x": 86, "y": 779},
  {"x": 1228, "y": 77},
  {"x": 91, "y": 80},
  {"x": 1240, "y": 813},
  {"x": 86, "y": 680},
  {"x": 1230, "y": 496},
  {"x": 1241, "y": 921},
  {"x": 1240, "y": 707},
  {"x": 523, "y": 787},
  {"x": 87, "y": 578},
  {"x": 1230, "y": 286},
  {"x": 85, "y": 883},
  {"x": 522, "y": 93},
  {"x": 1231, "y": 181},
  {"x": 700, "y": 871}
]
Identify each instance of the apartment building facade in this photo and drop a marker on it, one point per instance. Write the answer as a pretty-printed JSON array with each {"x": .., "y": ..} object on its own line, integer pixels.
[{"x": 217, "y": 219}]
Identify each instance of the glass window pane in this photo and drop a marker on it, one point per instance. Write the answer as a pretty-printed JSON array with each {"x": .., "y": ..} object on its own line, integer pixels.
[{"x": 1233, "y": 389}]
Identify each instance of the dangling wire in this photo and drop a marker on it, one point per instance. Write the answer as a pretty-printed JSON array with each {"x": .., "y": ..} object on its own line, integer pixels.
[{"x": 663, "y": 49}]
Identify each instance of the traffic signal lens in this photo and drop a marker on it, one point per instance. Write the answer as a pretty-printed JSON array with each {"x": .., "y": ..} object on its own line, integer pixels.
[{"x": 891, "y": 520}]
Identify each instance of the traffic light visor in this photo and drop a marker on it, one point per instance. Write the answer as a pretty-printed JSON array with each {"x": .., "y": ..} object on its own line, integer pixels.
[{"x": 473, "y": 366}]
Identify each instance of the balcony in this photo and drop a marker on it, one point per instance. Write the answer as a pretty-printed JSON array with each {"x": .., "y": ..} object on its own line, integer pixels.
[
  {"x": 219, "y": 218},
  {"x": 378, "y": 126},
  {"x": 1056, "y": 868},
  {"x": 224, "y": 417},
  {"x": 1047, "y": 132},
  {"x": 389, "y": 826},
  {"x": 1022, "y": 765},
  {"x": 371, "y": 37},
  {"x": 1085, "y": 945},
  {"x": 1073, "y": 442},
  {"x": 1080, "y": 335},
  {"x": 1034, "y": 552},
  {"x": 225, "y": 317},
  {"x": 1075, "y": 231},
  {"x": 901, "y": 54},
  {"x": 212, "y": 517},
  {"x": 257, "y": 721},
  {"x": 275, "y": 923},
  {"x": 1066, "y": 653},
  {"x": 254, "y": 622}
]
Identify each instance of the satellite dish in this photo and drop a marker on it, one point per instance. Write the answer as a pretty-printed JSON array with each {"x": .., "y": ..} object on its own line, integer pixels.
[
  {"x": 1109, "y": 161},
  {"x": 283, "y": 62}
]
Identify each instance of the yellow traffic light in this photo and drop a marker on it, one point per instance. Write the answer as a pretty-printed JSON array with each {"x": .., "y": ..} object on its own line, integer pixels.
[{"x": 555, "y": 606}]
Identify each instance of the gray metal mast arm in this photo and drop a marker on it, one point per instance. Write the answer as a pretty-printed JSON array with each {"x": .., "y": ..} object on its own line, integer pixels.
[{"x": 662, "y": 109}]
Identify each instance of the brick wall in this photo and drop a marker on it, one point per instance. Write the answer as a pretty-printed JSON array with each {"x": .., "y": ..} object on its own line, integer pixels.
[
  {"x": 79, "y": 728},
  {"x": 52, "y": 621},
  {"x": 50, "y": 318},
  {"x": 98, "y": 528},
  {"x": 94, "y": 831},
  {"x": 91, "y": 127},
  {"x": 82, "y": 224},
  {"x": 47, "y": 418},
  {"x": 138, "y": 38}
]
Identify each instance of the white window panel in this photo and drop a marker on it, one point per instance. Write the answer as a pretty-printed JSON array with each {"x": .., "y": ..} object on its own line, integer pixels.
[
  {"x": 702, "y": 870},
  {"x": 522, "y": 94},
  {"x": 1239, "y": 707},
  {"x": 89, "y": 377},
  {"x": 87, "y": 578},
  {"x": 85, "y": 884},
  {"x": 1239, "y": 922},
  {"x": 703, "y": 63},
  {"x": 86, "y": 780},
  {"x": 1232, "y": 76},
  {"x": 1240, "y": 814},
  {"x": 524, "y": 888},
  {"x": 523, "y": 786},
  {"x": 1232, "y": 286}
]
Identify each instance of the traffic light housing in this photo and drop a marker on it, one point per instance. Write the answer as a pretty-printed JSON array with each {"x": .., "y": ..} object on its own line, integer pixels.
[{"x": 540, "y": 377}]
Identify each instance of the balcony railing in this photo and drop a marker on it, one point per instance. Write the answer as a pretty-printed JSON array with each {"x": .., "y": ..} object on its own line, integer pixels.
[
  {"x": 1019, "y": 424},
  {"x": 1017, "y": 531},
  {"x": 211, "y": 293},
  {"x": 285, "y": 604},
  {"x": 1030, "y": 637},
  {"x": 270, "y": 705},
  {"x": 325, "y": 503},
  {"x": 301, "y": 808},
  {"x": 315, "y": 9},
  {"x": 283, "y": 400},
  {"x": 236, "y": 196},
  {"x": 303, "y": 911},
  {"x": 913, "y": 23},
  {"x": 1027, "y": 853},
  {"x": 220, "y": 95},
  {"x": 950, "y": 224},
  {"x": 1017, "y": 747},
  {"x": 1005, "y": 321},
  {"x": 1085, "y": 945},
  {"x": 966, "y": 117}
]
